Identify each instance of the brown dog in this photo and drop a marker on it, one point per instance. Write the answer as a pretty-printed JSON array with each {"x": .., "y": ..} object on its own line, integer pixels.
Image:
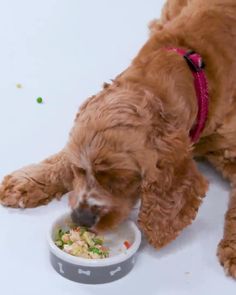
[{"x": 132, "y": 138}]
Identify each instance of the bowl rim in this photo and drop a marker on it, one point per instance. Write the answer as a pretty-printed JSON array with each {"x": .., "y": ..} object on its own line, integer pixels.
[{"x": 94, "y": 262}]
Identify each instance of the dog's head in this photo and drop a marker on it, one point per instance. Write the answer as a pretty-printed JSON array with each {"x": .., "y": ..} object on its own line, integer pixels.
[
  {"x": 103, "y": 147},
  {"x": 105, "y": 188},
  {"x": 123, "y": 147}
]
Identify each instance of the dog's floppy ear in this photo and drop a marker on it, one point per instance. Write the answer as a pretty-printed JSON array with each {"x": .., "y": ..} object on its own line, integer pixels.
[{"x": 172, "y": 190}]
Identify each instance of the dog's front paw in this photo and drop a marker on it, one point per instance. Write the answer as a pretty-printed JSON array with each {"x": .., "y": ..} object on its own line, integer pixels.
[
  {"x": 227, "y": 256},
  {"x": 19, "y": 191}
]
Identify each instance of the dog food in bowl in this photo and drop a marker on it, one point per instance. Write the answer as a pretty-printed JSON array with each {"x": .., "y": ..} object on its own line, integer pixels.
[
  {"x": 122, "y": 242},
  {"x": 81, "y": 242}
]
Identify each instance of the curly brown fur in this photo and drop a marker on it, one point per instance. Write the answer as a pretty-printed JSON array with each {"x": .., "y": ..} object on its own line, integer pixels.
[
  {"x": 36, "y": 185},
  {"x": 133, "y": 137},
  {"x": 172, "y": 190}
]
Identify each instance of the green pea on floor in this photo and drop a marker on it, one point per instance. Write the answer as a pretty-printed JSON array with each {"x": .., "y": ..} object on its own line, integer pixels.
[{"x": 39, "y": 100}]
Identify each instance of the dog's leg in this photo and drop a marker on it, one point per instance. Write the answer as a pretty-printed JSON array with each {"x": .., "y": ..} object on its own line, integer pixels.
[
  {"x": 37, "y": 184},
  {"x": 225, "y": 161}
]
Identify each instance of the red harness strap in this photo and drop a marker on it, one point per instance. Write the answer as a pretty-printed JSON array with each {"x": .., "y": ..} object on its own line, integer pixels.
[{"x": 196, "y": 65}]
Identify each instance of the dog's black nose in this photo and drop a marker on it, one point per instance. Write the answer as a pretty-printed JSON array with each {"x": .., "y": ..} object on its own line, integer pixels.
[{"x": 83, "y": 217}]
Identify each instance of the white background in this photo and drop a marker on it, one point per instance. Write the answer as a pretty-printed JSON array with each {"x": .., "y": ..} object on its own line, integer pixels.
[{"x": 64, "y": 51}]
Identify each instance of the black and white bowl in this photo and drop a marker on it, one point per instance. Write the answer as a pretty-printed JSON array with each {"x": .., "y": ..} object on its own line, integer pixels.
[{"x": 96, "y": 271}]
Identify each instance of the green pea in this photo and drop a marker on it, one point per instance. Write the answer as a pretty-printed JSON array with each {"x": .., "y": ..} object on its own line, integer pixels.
[{"x": 39, "y": 100}]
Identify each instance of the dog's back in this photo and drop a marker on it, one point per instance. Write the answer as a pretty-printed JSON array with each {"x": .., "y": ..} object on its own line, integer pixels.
[{"x": 209, "y": 28}]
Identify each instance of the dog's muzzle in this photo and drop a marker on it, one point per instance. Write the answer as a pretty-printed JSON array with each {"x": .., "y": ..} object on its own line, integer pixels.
[{"x": 83, "y": 217}]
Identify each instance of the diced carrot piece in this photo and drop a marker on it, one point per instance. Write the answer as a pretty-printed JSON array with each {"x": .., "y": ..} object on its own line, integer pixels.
[{"x": 127, "y": 244}]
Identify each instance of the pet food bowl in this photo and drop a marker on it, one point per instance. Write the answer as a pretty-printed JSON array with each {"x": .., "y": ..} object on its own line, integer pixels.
[{"x": 96, "y": 271}]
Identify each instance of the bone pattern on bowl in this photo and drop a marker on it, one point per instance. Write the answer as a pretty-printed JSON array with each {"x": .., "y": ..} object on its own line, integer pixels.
[{"x": 92, "y": 275}]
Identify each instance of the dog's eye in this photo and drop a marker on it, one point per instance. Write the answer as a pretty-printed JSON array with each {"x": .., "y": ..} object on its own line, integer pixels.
[
  {"x": 79, "y": 171},
  {"x": 103, "y": 178},
  {"x": 111, "y": 181},
  {"x": 82, "y": 171}
]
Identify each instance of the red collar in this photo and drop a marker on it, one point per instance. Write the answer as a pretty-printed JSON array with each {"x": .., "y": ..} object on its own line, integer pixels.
[{"x": 196, "y": 66}]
